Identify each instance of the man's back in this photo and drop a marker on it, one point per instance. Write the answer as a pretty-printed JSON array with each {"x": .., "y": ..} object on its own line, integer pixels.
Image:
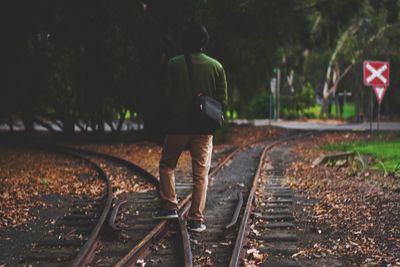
[
  {"x": 209, "y": 78},
  {"x": 182, "y": 132}
]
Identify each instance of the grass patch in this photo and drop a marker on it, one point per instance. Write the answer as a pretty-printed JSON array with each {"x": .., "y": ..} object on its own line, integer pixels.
[
  {"x": 385, "y": 152},
  {"x": 349, "y": 111}
]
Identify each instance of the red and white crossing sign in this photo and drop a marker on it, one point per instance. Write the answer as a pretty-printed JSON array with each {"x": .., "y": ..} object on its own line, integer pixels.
[
  {"x": 379, "y": 93},
  {"x": 376, "y": 73}
]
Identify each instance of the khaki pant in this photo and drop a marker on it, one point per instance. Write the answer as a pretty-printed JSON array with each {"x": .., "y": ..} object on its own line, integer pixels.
[{"x": 200, "y": 147}]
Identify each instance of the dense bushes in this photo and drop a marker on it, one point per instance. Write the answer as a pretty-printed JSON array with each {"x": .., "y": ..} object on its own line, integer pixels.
[
  {"x": 88, "y": 63},
  {"x": 292, "y": 106}
]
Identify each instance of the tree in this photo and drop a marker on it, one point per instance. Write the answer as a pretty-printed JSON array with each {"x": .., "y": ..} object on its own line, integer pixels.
[{"x": 87, "y": 63}]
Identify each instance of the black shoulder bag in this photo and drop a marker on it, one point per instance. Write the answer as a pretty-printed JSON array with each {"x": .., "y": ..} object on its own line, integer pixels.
[{"x": 207, "y": 112}]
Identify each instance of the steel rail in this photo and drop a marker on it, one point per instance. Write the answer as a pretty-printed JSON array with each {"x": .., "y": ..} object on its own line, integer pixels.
[
  {"x": 235, "y": 216},
  {"x": 114, "y": 213},
  {"x": 138, "y": 251},
  {"x": 157, "y": 232},
  {"x": 135, "y": 168},
  {"x": 237, "y": 250},
  {"x": 84, "y": 254},
  {"x": 87, "y": 251},
  {"x": 187, "y": 251},
  {"x": 243, "y": 225}
]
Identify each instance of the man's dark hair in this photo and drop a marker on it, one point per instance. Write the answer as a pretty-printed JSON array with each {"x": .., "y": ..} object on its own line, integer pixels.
[{"x": 195, "y": 38}]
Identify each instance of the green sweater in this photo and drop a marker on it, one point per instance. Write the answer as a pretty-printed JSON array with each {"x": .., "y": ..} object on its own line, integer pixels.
[{"x": 209, "y": 78}]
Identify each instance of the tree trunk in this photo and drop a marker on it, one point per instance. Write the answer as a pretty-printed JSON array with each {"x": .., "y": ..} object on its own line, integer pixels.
[
  {"x": 100, "y": 125},
  {"x": 121, "y": 120},
  {"x": 11, "y": 123},
  {"x": 353, "y": 28},
  {"x": 69, "y": 126},
  {"x": 28, "y": 123}
]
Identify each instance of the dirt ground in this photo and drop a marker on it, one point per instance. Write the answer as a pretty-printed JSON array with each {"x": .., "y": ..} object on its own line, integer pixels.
[
  {"x": 37, "y": 186},
  {"x": 26, "y": 174},
  {"x": 354, "y": 212}
]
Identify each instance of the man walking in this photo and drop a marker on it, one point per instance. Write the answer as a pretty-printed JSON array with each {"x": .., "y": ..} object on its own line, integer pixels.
[{"x": 183, "y": 133}]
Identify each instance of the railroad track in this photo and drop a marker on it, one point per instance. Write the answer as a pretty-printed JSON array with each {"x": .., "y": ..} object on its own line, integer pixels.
[
  {"x": 224, "y": 241},
  {"x": 180, "y": 254},
  {"x": 130, "y": 237},
  {"x": 78, "y": 240},
  {"x": 275, "y": 231},
  {"x": 230, "y": 211},
  {"x": 75, "y": 235}
]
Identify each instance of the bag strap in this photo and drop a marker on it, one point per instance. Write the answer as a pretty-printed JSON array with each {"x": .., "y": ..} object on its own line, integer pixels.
[{"x": 189, "y": 66}]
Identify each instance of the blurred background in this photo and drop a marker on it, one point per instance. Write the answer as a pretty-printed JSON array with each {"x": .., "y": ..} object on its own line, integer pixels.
[{"x": 98, "y": 65}]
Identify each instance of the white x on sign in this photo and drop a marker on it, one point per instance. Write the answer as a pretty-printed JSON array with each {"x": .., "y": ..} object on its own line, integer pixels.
[{"x": 376, "y": 73}]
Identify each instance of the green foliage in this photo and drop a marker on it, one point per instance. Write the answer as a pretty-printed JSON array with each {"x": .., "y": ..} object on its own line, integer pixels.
[
  {"x": 314, "y": 70},
  {"x": 259, "y": 106},
  {"x": 89, "y": 62},
  {"x": 305, "y": 97},
  {"x": 293, "y": 106}
]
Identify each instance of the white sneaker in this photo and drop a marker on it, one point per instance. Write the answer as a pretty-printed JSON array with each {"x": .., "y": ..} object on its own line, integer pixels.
[{"x": 197, "y": 227}]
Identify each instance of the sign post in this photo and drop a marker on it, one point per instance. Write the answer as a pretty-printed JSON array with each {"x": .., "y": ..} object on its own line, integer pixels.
[
  {"x": 371, "y": 110},
  {"x": 377, "y": 75},
  {"x": 272, "y": 96},
  {"x": 343, "y": 94},
  {"x": 278, "y": 94},
  {"x": 379, "y": 93}
]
